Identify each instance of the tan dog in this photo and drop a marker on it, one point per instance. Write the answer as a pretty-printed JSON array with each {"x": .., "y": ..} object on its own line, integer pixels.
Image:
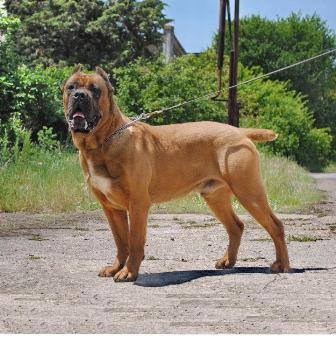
[{"x": 150, "y": 164}]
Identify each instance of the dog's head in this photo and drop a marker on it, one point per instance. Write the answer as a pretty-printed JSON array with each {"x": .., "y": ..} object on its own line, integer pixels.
[{"x": 87, "y": 99}]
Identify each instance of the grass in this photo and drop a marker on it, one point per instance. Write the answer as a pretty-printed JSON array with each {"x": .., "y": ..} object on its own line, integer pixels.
[
  {"x": 38, "y": 238},
  {"x": 151, "y": 258},
  {"x": 44, "y": 182},
  {"x": 34, "y": 258},
  {"x": 303, "y": 238},
  {"x": 330, "y": 168},
  {"x": 53, "y": 182}
]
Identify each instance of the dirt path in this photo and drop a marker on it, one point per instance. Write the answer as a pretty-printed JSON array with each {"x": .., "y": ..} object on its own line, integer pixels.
[{"x": 49, "y": 283}]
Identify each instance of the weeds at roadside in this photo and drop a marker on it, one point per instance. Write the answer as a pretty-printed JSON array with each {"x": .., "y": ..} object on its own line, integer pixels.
[
  {"x": 303, "y": 238},
  {"x": 197, "y": 225},
  {"x": 152, "y": 258},
  {"x": 34, "y": 257},
  {"x": 264, "y": 239},
  {"x": 37, "y": 238}
]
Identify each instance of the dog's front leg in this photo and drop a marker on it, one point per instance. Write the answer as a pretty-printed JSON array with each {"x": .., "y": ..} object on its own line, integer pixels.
[
  {"x": 119, "y": 226},
  {"x": 138, "y": 214}
]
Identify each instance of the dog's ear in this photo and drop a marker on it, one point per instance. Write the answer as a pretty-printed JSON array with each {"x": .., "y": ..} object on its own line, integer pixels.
[
  {"x": 104, "y": 75},
  {"x": 77, "y": 69},
  {"x": 62, "y": 87}
]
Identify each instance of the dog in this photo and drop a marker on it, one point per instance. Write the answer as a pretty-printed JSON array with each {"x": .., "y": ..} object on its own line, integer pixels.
[{"x": 145, "y": 164}]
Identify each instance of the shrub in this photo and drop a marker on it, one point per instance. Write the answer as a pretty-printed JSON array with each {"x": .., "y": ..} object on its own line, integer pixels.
[
  {"x": 47, "y": 139},
  {"x": 38, "y": 98},
  {"x": 14, "y": 140},
  {"x": 148, "y": 86},
  {"x": 31, "y": 94},
  {"x": 286, "y": 112},
  {"x": 16, "y": 144}
]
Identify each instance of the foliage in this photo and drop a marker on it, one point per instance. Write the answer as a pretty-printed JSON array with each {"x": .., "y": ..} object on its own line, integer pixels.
[
  {"x": 16, "y": 143},
  {"x": 273, "y": 44},
  {"x": 147, "y": 86},
  {"x": 47, "y": 139},
  {"x": 37, "y": 98},
  {"x": 152, "y": 85},
  {"x": 286, "y": 112},
  {"x": 29, "y": 94},
  {"x": 8, "y": 63},
  {"x": 89, "y": 32},
  {"x": 33, "y": 95},
  {"x": 14, "y": 140}
]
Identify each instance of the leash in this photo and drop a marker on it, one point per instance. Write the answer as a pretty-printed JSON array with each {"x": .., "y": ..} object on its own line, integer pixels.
[{"x": 146, "y": 115}]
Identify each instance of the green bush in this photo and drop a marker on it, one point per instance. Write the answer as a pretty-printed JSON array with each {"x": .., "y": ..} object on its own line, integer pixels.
[
  {"x": 16, "y": 143},
  {"x": 47, "y": 139},
  {"x": 30, "y": 94},
  {"x": 38, "y": 98},
  {"x": 151, "y": 85},
  {"x": 9, "y": 62},
  {"x": 14, "y": 140},
  {"x": 286, "y": 112}
]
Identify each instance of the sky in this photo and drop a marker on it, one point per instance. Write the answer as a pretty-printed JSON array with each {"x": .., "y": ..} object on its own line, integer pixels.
[{"x": 196, "y": 21}]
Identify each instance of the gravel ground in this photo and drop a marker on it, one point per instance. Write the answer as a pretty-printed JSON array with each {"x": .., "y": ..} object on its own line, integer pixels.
[{"x": 49, "y": 282}]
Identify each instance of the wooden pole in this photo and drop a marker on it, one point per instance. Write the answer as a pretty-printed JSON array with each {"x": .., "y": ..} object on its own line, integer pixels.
[
  {"x": 220, "y": 47},
  {"x": 233, "y": 106}
]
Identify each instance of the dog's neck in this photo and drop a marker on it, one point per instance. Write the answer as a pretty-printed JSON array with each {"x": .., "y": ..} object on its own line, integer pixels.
[{"x": 95, "y": 139}]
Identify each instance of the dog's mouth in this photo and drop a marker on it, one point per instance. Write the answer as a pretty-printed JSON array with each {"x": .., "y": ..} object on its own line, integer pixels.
[{"x": 79, "y": 122}]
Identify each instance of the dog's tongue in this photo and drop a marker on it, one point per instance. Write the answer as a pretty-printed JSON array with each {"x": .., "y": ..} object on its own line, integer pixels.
[{"x": 78, "y": 115}]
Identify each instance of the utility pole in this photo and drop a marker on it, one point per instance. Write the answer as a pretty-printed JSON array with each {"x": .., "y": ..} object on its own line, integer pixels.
[
  {"x": 233, "y": 106},
  {"x": 221, "y": 42}
]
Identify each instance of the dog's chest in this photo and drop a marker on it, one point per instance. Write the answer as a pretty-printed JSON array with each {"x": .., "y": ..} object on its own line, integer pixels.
[
  {"x": 102, "y": 183},
  {"x": 97, "y": 176}
]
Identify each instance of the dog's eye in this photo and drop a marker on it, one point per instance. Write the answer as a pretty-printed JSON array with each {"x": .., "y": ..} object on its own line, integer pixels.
[
  {"x": 95, "y": 90},
  {"x": 71, "y": 87}
]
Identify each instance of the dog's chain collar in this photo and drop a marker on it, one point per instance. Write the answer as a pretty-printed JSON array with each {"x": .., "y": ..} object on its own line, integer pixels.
[{"x": 118, "y": 132}]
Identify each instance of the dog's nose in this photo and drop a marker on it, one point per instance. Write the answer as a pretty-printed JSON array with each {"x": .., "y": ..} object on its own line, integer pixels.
[{"x": 79, "y": 95}]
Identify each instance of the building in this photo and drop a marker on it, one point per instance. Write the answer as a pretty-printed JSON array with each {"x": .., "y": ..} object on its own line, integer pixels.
[{"x": 171, "y": 45}]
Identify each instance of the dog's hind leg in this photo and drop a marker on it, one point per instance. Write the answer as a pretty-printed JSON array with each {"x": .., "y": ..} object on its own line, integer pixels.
[
  {"x": 220, "y": 204},
  {"x": 257, "y": 205},
  {"x": 247, "y": 186}
]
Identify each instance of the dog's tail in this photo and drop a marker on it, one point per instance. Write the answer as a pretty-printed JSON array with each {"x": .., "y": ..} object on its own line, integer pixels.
[{"x": 259, "y": 135}]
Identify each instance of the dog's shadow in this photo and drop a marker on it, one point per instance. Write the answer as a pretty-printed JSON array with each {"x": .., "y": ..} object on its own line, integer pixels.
[{"x": 179, "y": 277}]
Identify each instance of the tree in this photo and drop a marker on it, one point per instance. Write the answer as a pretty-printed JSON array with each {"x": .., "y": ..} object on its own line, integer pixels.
[
  {"x": 9, "y": 62},
  {"x": 90, "y": 32},
  {"x": 275, "y": 44}
]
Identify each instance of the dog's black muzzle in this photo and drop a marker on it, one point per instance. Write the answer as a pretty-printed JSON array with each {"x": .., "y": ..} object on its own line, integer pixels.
[{"x": 81, "y": 114}]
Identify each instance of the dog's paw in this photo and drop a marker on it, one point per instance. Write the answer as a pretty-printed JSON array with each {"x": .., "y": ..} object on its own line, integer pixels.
[
  {"x": 109, "y": 271},
  {"x": 224, "y": 263},
  {"x": 278, "y": 267},
  {"x": 124, "y": 275}
]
